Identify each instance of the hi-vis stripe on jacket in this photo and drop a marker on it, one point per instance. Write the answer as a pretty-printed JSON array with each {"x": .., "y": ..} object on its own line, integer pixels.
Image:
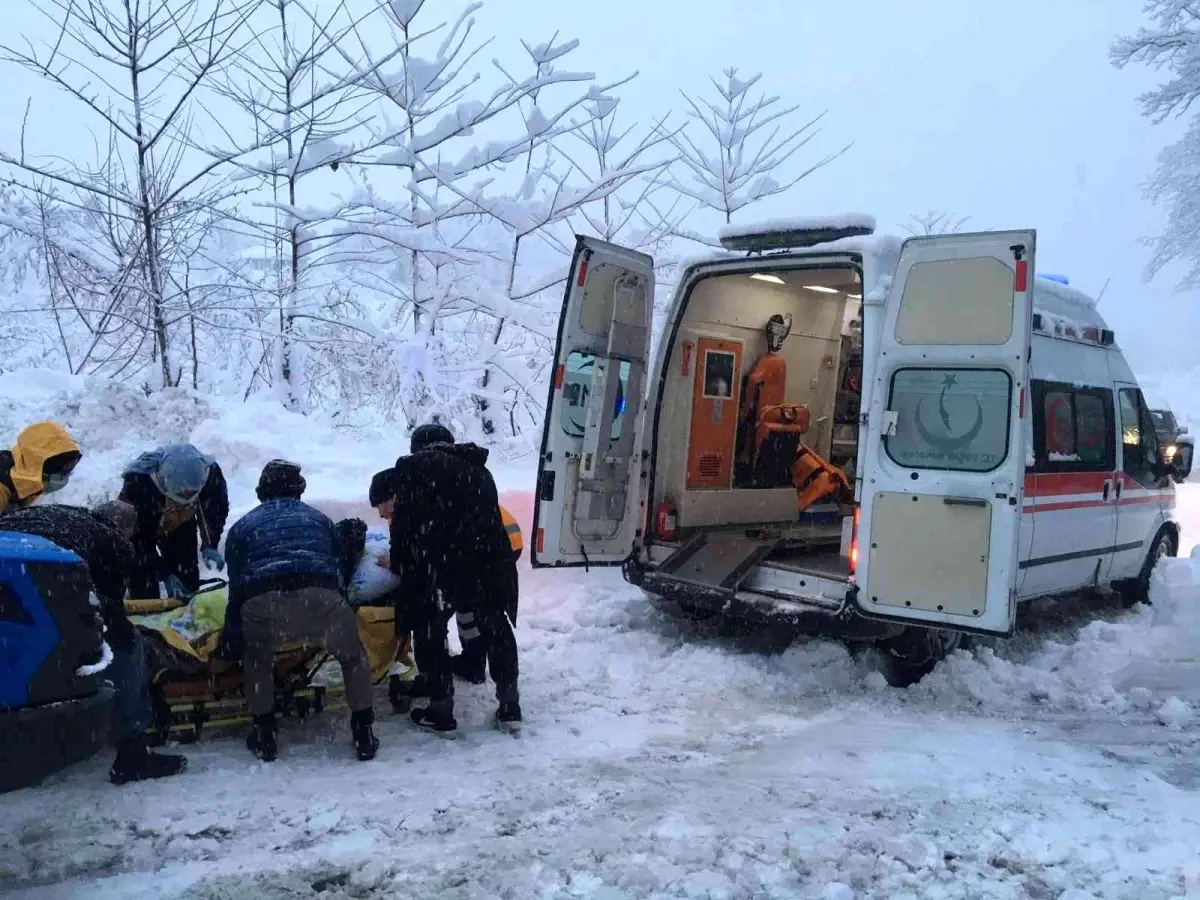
[{"x": 514, "y": 532}]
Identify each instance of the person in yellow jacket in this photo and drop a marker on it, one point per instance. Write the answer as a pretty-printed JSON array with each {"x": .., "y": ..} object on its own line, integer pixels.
[{"x": 40, "y": 462}]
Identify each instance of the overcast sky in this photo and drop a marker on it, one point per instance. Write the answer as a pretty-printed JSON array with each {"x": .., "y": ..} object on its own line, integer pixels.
[{"x": 1009, "y": 113}]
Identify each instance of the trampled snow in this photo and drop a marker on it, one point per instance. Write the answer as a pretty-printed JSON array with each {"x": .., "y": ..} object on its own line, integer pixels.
[{"x": 660, "y": 759}]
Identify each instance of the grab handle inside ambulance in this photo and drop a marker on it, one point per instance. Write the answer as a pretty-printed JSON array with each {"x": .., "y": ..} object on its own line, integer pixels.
[{"x": 964, "y": 501}]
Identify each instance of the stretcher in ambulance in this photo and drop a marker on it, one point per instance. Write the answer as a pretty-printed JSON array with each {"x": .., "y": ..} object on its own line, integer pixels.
[{"x": 890, "y": 442}]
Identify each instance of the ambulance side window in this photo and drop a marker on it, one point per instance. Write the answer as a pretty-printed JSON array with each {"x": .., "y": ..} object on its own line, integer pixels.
[{"x": 1073, "y": 428}]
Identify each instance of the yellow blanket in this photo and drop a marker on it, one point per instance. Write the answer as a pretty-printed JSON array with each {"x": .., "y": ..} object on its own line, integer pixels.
[{"x": 195, "y": 629}]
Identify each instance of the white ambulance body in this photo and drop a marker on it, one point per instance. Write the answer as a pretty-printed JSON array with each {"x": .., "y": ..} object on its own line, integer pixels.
[{"x": 999, "y": 446}]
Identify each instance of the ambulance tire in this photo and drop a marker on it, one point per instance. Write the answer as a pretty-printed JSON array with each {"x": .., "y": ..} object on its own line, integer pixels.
[
  {"x": 1166, "y": 543},
  {"x": 915, "y": 652},
  {"x": 680, "y": 609}
]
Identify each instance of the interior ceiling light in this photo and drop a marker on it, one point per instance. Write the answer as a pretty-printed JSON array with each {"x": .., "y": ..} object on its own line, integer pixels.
[
  {"x": 854, "y": 296},
  {"x": 821, "y": 288},
  {"x": 774, "y": 279}
]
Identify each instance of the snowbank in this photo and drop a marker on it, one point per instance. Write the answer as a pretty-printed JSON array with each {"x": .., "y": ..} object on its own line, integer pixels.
[{"x": 114, "y": 422}]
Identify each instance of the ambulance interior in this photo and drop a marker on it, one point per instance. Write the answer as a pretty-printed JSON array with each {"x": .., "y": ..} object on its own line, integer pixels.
[{"x": 758, "y": 420}]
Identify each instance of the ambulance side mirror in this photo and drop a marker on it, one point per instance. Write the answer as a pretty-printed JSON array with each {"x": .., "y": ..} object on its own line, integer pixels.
[{"x": 1181, "y": 461}]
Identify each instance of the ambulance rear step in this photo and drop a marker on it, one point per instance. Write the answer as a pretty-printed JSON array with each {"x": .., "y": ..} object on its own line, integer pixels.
[{"x": 713, "y": 563}]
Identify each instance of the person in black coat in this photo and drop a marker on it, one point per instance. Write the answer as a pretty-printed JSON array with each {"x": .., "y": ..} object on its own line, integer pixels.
[
  {"x": 180, "y": 497},
  {"x": 101, "y": 539},
  {"x": 450, "y": 549}
]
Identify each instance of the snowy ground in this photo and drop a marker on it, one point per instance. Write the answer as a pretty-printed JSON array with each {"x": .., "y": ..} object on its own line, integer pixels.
[{"x": 665, "y": 761}]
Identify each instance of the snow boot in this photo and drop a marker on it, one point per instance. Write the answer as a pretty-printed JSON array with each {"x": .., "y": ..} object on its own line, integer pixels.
[
  {"x": 436, "y": 718},
  {"x": 470, "y": 668},
  {"x": 508, "y": 716},
  {"x": 135, "y": 762},
  {"x": 261, "y": 739},
  {"x": 366, "y": 745},
  {"x": 404, "y": 695}
]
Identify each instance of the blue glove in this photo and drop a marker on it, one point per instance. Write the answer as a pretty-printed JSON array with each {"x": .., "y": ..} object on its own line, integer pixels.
[
  {"x": 213, "y": 557},
  {"x": 174, "y": 586}
]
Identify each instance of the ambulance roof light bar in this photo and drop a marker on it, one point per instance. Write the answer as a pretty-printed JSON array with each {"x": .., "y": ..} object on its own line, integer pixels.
[{"x": 792, "y": 234}]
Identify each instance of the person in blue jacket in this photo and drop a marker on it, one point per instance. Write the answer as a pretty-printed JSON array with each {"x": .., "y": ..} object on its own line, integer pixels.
[{"x": 286, "y": 577}]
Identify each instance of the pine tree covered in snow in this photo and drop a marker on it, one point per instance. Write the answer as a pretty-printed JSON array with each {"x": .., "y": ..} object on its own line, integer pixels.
[
  {"x": 935, "y": 222},
  {"x": 733, "y": 156},
  {"x": 1171, "y": 43}
]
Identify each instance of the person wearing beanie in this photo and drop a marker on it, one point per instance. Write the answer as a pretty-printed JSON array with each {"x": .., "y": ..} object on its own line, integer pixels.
[
  {"x": 181, "y": 498},
  {"x": 452, "y": 553},
  {"x": 286, "y": 580}
]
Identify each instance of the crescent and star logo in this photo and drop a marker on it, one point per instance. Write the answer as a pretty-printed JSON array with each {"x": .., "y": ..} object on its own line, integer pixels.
[{"x": 948, "y": 442}]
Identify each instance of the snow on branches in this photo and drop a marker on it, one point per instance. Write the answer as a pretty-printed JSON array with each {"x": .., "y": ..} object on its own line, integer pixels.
[
  {"x": 358, "y": 204},
  {"x": 742, "y": 144},
  {"x": 1171, "y": 44}
]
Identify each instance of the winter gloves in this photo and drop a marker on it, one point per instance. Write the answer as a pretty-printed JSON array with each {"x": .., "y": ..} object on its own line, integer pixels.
[
  {"x": 174, "y": 587},
  {"x": 213, "y": 557}
]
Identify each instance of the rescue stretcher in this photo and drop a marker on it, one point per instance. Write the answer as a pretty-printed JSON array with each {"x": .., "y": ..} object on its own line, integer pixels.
[{"x": 192, "y": 689}]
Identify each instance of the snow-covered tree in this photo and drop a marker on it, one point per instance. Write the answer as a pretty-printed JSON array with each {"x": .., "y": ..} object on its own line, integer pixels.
[
  {"x": 296, "y": 83},
  {"x": 935, "y": 222},
  {"x": 139, "y": 71},
  {"x": 433, "y": 245},
  {"x": 1171, "y": 43},
  {"x": 744, "y": 141}
]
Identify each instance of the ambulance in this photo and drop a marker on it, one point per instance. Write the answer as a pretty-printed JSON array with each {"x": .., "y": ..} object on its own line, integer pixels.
[{"x": 890, "y": 442}]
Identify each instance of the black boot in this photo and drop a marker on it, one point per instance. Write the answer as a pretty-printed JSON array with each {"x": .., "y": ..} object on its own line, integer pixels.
[
  {"x": 366, "y": 745},
  {"x": 404, "y": 694},
  {"x": 508, "y": 715},
  {"x": 436, "y": 718},
  {"x": 135, "y": 762},
  {"x": 470, "y": 667},
  {"x": 261, "y": 739}
]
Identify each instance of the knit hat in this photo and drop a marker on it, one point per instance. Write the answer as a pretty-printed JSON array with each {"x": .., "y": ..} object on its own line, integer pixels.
[
  {"x": 383, "y": 487},
  {"x": 424, "y": 436},
  {"x": 280, "y": 479}
]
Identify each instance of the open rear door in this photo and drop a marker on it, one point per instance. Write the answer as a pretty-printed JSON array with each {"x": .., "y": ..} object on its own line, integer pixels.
[
  {"x": 589, "y": 473},
  {"x": 943, "y": 476}
]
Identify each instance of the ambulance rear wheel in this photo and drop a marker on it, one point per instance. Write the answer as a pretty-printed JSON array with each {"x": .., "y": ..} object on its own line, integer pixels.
[
  {"x": 1138, "y": 590},
  {"x": 915, "y": 652}
]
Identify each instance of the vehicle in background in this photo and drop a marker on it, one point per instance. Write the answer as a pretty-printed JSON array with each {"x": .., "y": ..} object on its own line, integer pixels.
[{"x": 1169, "y": 431}]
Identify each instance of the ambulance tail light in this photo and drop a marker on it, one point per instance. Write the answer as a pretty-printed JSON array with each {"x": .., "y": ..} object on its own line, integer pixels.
[{"x": 853, "y": 555}]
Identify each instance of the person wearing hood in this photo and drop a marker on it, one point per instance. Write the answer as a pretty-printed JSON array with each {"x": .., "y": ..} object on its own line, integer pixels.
[
  {"x": 452, "y": 553},
  {"x": 471, "y": 664},
  {"x": 40, "y": 462},
  {"x": 287, "y": 570},
  {"x": 180, "y": 497},
  {"x": 100, "y": 537}
]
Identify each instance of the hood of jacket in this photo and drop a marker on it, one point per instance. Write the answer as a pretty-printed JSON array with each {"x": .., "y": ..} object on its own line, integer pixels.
[
  {"x": 35, "y": 445},
  {"x": 472, "y": 453},
  {"x": 150, "y": 463}
]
